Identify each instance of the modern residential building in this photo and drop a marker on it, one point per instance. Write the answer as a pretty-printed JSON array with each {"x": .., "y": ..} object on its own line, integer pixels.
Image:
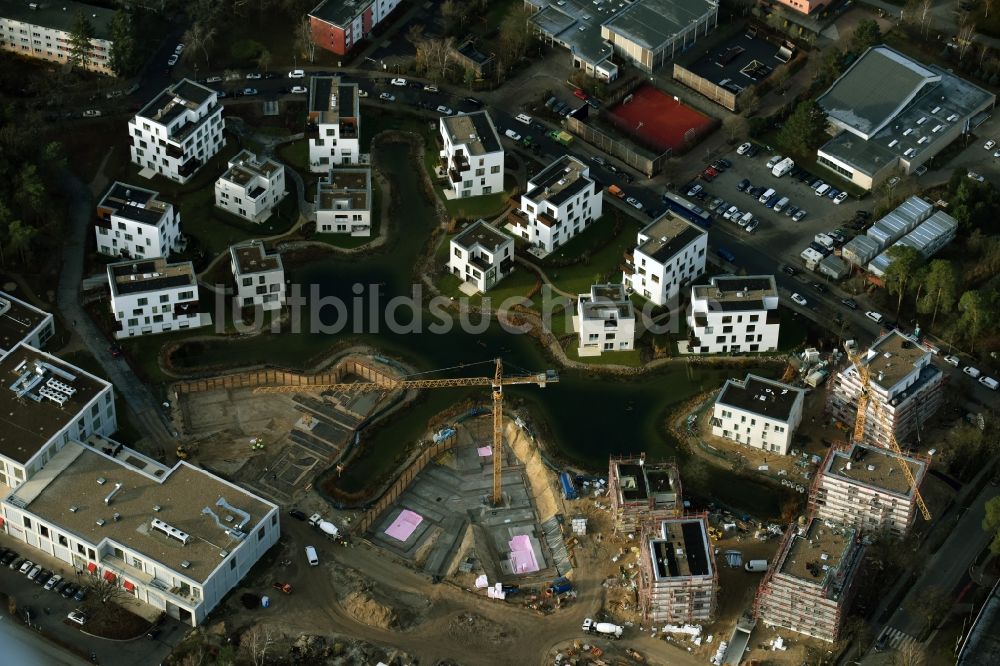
[
  {"x": 151, "y": 296},
  {"x": 560, "y": 201},
  {"x": 177, "y": 538},
  {"x": 481, "y": 255},
  {"x": 133, "y": 222},
  {"x": 251, "y": 188},
  {"x": 472, "y": 157},
  {"x": 809, "y": 586},
  {"x": 259, "y": 276},
  {"x": 338, "y": 25},
  {"x": 22, "y": 322},
  {"x": 344, "y": 202},
  {"x": 45, "y": 403},
  {"x": 670, "y": 253},
  {"x": 649, "y": 33},
  {"x": 605, "y": 320},
  {"x": 906, "y": 389},
  {"x": 177, "y": 132},
  {"x": 734, "y": 313},
  {"x": 919, "y": 110},
  {"x": 44, "y": 30},
  {"x": 864, "y": 487},
  {"x": 678, "y": 581},
  {"x": 334, "y": 124},
  {"x": 642, "y": 492},
  {"x": 761, "y": 413}
]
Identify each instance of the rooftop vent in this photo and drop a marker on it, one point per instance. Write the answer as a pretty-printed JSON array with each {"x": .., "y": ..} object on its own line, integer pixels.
[
  {"x": 157, "y": 507},
  {"x": 74, "y": 508},
  {"x": 100, "y": 522},
  {"x": 170, "y": 531},
  {"x": 111, "y": 495},
  {"x": 101, "y": 480},
  {"x": 185, "y": 564},
  {"x": 223, "y": 553},
  {"x": 116, "y": 517}
]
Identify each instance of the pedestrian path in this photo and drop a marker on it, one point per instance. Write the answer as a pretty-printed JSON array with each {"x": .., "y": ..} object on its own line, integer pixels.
[{"x": 894, "y": 639}]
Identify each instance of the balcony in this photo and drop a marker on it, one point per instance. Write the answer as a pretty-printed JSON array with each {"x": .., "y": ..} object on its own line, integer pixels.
[
  {"x": 348, "y": 131},
  {"x": 175, "y": 152},
  {"x": 125, "y": 570},
  {"x": 189, "y": 167},
  {"x": 454, "y": 176},
  {"x": 546, "y": 219}
]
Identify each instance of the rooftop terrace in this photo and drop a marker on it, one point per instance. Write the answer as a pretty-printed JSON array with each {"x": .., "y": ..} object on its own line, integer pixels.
[
  {"x": 474, "y": 130},
  {"x": 682, "y": 549},
  {"x": 343, "y": 184},
  {"x": 251, "y": 257},
  {"x": 129, "y": 277},
  {"x": 757, "y": 395},
  {"x": 875, "y": 467},
  {"x": 559, "y": 182},
  {"x": 666, "y": 236},
  {"x": 483, "y": 234},
  {"x": 736, "y": 293}
]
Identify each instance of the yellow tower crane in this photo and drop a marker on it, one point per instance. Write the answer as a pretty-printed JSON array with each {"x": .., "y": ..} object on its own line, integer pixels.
[
  {"x": 859, "y": 429},
  {"x": 496, "y": 382}
]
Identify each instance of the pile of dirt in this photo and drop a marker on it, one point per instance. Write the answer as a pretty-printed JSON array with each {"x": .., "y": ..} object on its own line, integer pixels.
[
  {"x": 366, "y": 610},
  {"x": 477, "y": 630},
  {"x": 540, "y": 477}
]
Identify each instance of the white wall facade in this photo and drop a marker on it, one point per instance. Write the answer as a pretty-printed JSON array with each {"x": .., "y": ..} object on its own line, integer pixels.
[
  {"x": 253, "y": 200},
  {"x": 549, "y": 224},
  {"x": 661, "y": 281},
  {"x": 155, "y": 311},
  {"x": 331, "y": 149},
  {"x": 36, "y": 41},
  {"x": 127, "y": 237},
  {"x": 602, "y": 326},
  {"x": 753, "y": 429},
  {"x": 473, "y": 175},
  {"x": 478, "y": 264}
]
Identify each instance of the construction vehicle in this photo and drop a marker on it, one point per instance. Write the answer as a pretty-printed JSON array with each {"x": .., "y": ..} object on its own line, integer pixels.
[
  {"x": 634, "y": 655},
  {"x": 608, "y": 629},
  {"x": 496, "y": 383},
  {"x": 283, "y": 587},
  {"x": 616, "y": 191}
]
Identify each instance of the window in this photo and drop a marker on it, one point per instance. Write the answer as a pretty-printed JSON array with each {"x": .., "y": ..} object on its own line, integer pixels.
[
  {"x": 274, "y": 519},
  {"x": 232, "y": 563},
  {"x": 44, "y": 531},
  {"x": 63, "y": 541},
  {"x": 495, "y": 169},
  {"x": 141, "y": 301},
  {"x": 91, "y": 554},
  {"x": 260, "y": 533},
  {"x": 27, "y": 522}
]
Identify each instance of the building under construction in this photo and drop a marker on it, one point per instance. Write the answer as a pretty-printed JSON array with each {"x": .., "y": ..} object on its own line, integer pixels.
[
  {"x": 678, "y": 581},
  {"x": 809, "y": 586},
  {"x": 643, "y": 491},
  {"x": 905, "y": 391},
  {"x": 865, "y": 487}
]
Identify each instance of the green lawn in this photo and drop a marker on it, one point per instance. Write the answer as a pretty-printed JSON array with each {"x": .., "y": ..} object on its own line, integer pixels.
[
  {"x": 487, "y": 206},
  {"x": 601, "y": 253},
  {"x": 295, "y": 155},
  {"x": 215, "y": 229}
]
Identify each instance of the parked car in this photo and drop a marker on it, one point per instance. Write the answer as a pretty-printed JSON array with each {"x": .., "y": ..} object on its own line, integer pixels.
[
  {"x": 774, "y": 160},
  {"x": 799, "y": 299},
  {"x": 77, "y": 616},
  {"x": 7, "y": 558},
  {"x": 511, "y": 134},
  {"x": 431, "y": 88},
  {"x": 386, "y": 97},
  {"x": 80, "y": 594},
  {"x": 249, "y": 92},
  {"x": 597, "y": 159},
  {"x": 952, "y": 360},
  {"x": 742, "y": 185},
  {"x": 832, "y": 193},
  {"x": 252, "y": 76},
  {"x": 753, "y": 150},
  {"x": 33, "y": 573},
  {"x": 299, "y": 90},
  {"x": 694, "y": 189},
  {"x": 178, "y": 49},
  {"x": 791, "y": 211},
  {"x": 752, "y": 226},
  {"x": 475, "y": 101},
  {"x": 26, "y": 566},
  {"x": 635, "y": 203},
  {"x": 744, "y": 147},
  {"x": 989, "y": 383},
  {"x": 444, "y": 110},
  {"x": 839, "y": 199},
  {"x": 91, "y": 113},
  {"x": 67, "y": 590},
  {"x": 172, "y": 60},
  {"x": 989, "y": 144},
  {"x": 43, "y": 577},
  {"x": 850, "y": 302},
  {"x": 876, "y": 317},
  {"x": 297, "y": 74},
  {"x": 799, "y": 215},
  {"x": 972, "y": 371},
  {"x": 789, "y": 270},
  {"x": 976, "y": 177},
  {"x": 820, "y": 287},
  {"x": 297, "y": 514},
  {"x": 51, "y": 583}
]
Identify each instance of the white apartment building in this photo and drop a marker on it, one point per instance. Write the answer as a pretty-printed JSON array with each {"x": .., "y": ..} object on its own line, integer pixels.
[
  {"x": 250, "y": 187},
  {"x": 45, "y": 403},
  {"x": 259, "y": 275},
  {"x": 559, "y": 203},
  {"x": 44, "y": 30},
  {"x": 670, "y": 253},
  {"x": 481, "y": 255},
  {"x": 344, "y": 202},
  {"x": 22, "y": 322},
  {"x": 177, "y": 132},
  {"x": 472, "y": 157},
  {"x": 605, "y": 320},
  {"x": 178, "y": 539},
  {"x": 865, "y": 487},
  {"x": 133, "y": 222},
  {"x": 152, "y": 296},
  {"x": 334, "y": 123},
  {"x": 906, "y": 389},
  {"x": 761, "y": 413},
  {"x": 734, "y": 314}
]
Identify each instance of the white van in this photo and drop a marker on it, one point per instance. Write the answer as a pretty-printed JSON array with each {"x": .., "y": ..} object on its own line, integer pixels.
[
  {"x": 822, "y": 190},
  {"x": 989, "y": 383},
  {"x": 523, "y": 118},
  {"x": 745, "y": 220},
  {"x": 767, "y": 195},
  {"x": 311, "y": 556},
  {"x": 756, "y": 566},
  {"x": 781, "y": 204}
]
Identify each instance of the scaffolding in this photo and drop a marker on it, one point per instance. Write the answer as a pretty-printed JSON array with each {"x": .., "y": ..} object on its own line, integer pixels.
[
  {"x": 642, "y": 490},
  {"x": 689, "y": 596}
]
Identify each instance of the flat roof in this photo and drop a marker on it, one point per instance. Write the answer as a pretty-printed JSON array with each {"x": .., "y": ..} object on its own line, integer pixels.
[
  {"x": 653, "y": 23},
  {"x": 330, "y": 100},
  {"x": 604, "y": 298},
  {"x": 816, "y": 555},
  {"x": 474, "y": 130},
  {"x": 252, "y": 257},
  {"x": 481, "y": 233},
  {"x": 893, "y": 357},
  {"x": 638, "y": 481},
  {"x": 134, "y": 203},
  {"x": 338, "y": 12},
  {"x": 246, "y": 166},
  {"x": 666, "y": 236},
  {"x": 766, "y": 397},
  {"x": 18, "y": 320},
  {"x": 875, "y": 467},
  {"x": 736, "y": 292},
  {"x": 175, "y": 100},
  {"x": 682, "y": 549},
  {"x": 575, "y": 24},
  {"x": 59, "y": 15},
  {"x": 340, "y": 184},
  {"x": 737, "y": 63},
  {"x": 559, "y": 181},
  {"x": 181, "y": 495},
  {"x": 28, "y": 422},
  {"x": 140, "y": 275}
]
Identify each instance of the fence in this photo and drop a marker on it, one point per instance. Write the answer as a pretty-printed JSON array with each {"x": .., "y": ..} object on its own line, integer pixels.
[
  {"x": 644, "y": 163},
  {"x": 275, "y": 377},
  {"x": 713, "y": 91},
  {"x": 402, "y": 482}
]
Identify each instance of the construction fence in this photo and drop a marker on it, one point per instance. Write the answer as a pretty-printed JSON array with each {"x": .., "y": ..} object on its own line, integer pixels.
[
  {"x": 643, "y": 162},
  {"x": 274, "y": 377}
]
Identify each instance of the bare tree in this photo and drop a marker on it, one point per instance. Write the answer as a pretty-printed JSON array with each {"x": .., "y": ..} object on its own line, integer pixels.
[
  {"x": 749, "y": 101},
  {"x": 987, "y": 6},
  {"x": 984, "y": 50},
  {"x": 925, "y": 12},
  {"x": 964, "y": 38},
  {"x": 736, "y": 126},
  {"x": 304, "y": 41},
  {"x": 199, "y": 38},
  {"x": 255, "y": 642},
  {"x": 910, "y": 653},
  {"x": 109, "y": 591},
  {"x": 264, "y": 60}
]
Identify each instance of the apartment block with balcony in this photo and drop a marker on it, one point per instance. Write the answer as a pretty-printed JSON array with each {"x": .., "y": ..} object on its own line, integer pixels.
[
  {"x": 151, "y": 296},
  {"x": 906, "y": 389},
  {"x": 605, "y": 320},
  {"x": 757, "y": 412},
  {"x": 339, "y": 25},
  {"x": 481, "y": 255},
  {"x": 734, "y": 314},
  {"x": 559, "y": 203},
  {"x": 809, "y": 586},
  {"x": 22, "y": 322},
  {"x": 44, "y": 30},
  {"x": 678, "y": 581},
  {"x": 251, "y": 188},
  {"x": 177, "y": 538},
  {"x": 133, "y": 222},
  {"x": 472, "y": 157},
  {"x": 642, "y": 492},
  {"x": 178, "y": 131},
  {"x": 344, "y": 202},
  {"x": 670, "y": 253},
  {"x": 45, "y": 403},
  {"x": 333, "y": 126},
  {"x": 865, "y": 487},
  {"x": 259, "y": 276}
]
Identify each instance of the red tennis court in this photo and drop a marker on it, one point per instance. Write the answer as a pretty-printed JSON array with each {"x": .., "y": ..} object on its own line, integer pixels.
[{"x": 658, "y": 120}]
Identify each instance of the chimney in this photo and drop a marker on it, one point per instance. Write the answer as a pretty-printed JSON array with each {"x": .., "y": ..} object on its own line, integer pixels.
[{"x": 111, "y": 495}]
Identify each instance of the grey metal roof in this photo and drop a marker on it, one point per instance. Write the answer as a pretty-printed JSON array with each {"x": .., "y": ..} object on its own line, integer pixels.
[
  {"x": 927, "y": 238},
  {"x": 653, "y": 23},
  {"x": 576, "y": 24},
  {"x": 860, "y": 250},
  {"x": 900, "y": 221}
]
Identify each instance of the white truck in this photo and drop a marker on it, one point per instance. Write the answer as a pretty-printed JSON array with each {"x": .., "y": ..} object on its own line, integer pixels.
[
  {"x": 782, "y": 167},
  {"x": 825, "y": 240},
  {"x": 608, "y": 629},
  {"x": 756, "y": 566}
]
